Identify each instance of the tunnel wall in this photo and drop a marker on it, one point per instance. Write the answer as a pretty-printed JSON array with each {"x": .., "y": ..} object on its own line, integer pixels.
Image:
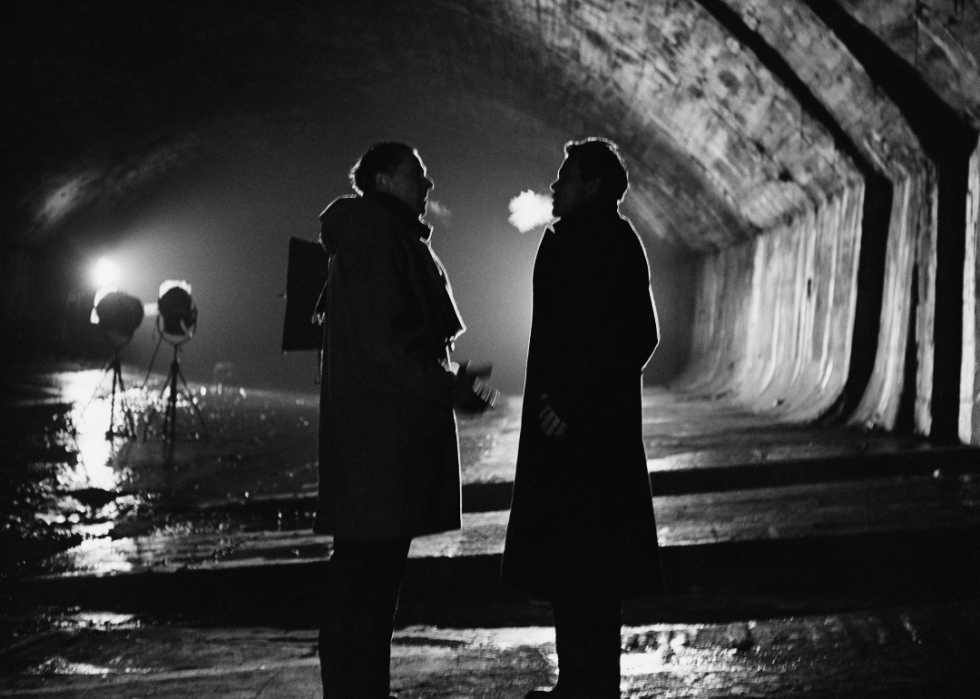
[
  {"x": 774, "y": 316},
  {"x": 969, "y": 419},
  {"x": 895, "y": 375}
]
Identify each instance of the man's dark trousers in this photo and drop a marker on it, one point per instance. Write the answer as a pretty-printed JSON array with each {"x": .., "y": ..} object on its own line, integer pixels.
[
  {"x": 364, "y": 577},
  {"x": 588, "y": 641}
]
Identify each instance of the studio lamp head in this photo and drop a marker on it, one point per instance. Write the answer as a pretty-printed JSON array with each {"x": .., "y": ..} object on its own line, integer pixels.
[
  {"x": 118, "y": 315},
  {"x": 178, "y": 314}
]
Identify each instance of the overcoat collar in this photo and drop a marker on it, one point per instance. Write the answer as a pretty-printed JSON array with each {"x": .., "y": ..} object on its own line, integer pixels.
[
  {"x": 585, "y": 217},
  {"x": 419, "y": 229},
  {"x": 449, "y": 319}
]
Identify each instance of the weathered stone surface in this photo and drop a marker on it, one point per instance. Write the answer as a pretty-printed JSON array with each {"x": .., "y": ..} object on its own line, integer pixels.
[
  {"x": 774, "y": 315},
  {"x": 940, "y": 38},
  {"x": 969, "y": 416}
]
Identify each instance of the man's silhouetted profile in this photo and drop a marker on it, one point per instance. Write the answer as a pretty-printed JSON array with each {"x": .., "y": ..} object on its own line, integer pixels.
[{"x": 582, "y": 532}]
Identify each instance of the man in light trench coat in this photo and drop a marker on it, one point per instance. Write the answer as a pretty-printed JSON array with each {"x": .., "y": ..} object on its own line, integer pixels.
[
  {"x": 582, "y": 532},
  {"x": 388, "y": 455}
]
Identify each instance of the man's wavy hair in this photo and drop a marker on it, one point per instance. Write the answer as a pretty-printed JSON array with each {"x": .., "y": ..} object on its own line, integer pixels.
[
  {"x": 600, "y": 158},
  {"x": 382, "y": 157}
]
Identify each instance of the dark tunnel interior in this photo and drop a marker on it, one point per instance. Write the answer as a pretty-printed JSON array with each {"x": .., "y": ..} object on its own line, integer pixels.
[{"x": 805, "y": 179}]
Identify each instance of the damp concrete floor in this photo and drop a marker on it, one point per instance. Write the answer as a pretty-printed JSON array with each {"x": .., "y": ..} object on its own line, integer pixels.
[{"x": 800, "y": 561}]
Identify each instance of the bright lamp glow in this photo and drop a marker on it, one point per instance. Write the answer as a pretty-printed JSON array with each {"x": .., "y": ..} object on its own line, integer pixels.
[{"x": 105, "y": 273}]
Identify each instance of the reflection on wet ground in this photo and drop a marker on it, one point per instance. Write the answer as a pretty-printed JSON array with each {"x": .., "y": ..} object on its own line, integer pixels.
[
  {"x": 889, "y": 654},
  {"x": 77, "y": 475},
  {"x": 242, "y": 491},
  {"x": 799, "y": 559},
  {"x": 38, "y": 458}
]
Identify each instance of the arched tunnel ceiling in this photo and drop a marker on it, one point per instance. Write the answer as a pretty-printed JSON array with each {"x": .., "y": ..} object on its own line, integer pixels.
[
  {"x": 736, "y": 115},
  {"x": 939, "y": 38}
]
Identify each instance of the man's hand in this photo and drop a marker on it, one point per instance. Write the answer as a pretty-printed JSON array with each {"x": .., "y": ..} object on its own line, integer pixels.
[
  {"x": 479, "y": 371},
  {"x": 472, "y": 395},
  {"x": 549, "y": 422}
]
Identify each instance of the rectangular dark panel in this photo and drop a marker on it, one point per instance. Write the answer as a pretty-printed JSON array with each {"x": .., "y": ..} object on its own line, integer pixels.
[{"x": 306, "y": 274}]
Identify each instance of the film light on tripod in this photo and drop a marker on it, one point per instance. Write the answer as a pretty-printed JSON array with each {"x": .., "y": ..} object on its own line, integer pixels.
[
  {"x": 177, "y": 312},
  {"x": 118, "y": 315},
  {"x": 176, "y": 322}
]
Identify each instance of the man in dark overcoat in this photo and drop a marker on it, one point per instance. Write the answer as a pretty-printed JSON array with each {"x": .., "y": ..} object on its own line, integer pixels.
[
  {"x": 582, "y": 532},
  {"x": 388, "y": 455}
]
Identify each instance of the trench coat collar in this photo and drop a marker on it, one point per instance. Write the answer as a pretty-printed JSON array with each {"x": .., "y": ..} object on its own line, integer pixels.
[
  {"x": 418, "y": 227},
  {"x": 451, "y": 324}
]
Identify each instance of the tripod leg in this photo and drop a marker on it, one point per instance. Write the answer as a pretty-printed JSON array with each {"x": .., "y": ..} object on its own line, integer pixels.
[
  {"x": 171, "y": 421},
  {"x": 129, "y": 422},
  {"x": 190, "y": 399},
  {"x": 98, "y": 387},
  {"x": 170, "y": 412},
  {"x": 152, "y": 411},
  {"x": 153, "y": 358},
  {"x": 116, "y": 375}
]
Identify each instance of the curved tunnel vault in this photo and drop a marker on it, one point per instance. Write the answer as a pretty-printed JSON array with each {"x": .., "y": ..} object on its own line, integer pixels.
[{"x": 814, "y": 164}]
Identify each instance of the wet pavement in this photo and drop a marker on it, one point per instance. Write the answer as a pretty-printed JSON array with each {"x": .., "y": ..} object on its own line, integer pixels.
[
  {"x": 888, "y": 653},
  {"x": 814, "y": 561}
]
